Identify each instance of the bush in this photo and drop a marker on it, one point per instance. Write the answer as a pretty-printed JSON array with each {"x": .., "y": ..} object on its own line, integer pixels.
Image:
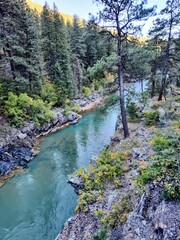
[
  {"x": 86, "y": 91},
  {"x": 119, "y": 213},
  {"x": 152, "y": 117},
  {"x": 49, "y": 93},
  {"x": 163, "y": 166},
  {"x": 71, "y": 107},
  {"x": 13, "y": 111},
  {"x": 101, "y": 234},
  {"x": 132, "y": 111},
  {"x": 40, "y": 112},
  {"x": 22, "y": 108},
  {"x": 108, "y": 167}
]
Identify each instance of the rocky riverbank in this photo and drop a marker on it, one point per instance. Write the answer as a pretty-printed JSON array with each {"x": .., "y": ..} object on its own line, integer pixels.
[
  {"x": 18, "y": 146},
  {"x": 139, "y": 202}
]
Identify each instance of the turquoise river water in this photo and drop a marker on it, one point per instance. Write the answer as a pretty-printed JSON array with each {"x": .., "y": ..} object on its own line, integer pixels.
[{"x": 35, "y": 204}]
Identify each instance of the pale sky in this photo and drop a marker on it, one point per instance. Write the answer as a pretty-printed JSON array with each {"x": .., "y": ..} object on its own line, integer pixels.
[{"x": 82, "y": 8}]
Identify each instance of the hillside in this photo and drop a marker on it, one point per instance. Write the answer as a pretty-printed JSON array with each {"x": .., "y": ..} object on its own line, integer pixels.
[{"x": 39, "y": 8}]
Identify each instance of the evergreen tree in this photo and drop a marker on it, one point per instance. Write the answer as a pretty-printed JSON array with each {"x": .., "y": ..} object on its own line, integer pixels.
[
  {"x": 19, "y": 41},
  {"x": 121, "y": 15},
  {"x": 48, "y": 48},
  {"x": 62, "y": 52},
  {"x": 165, "y": 28},
  {"x": 33, "y": 53},
  {"x": 78, "y": 53}
]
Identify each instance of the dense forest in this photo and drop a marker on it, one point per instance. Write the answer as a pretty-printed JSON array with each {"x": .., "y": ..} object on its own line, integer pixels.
[{"x": 45, "y": 62}]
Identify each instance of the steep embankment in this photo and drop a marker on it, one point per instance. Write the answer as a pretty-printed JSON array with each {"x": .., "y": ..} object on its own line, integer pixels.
[
  {"x": 17, "y": 146},
  {"x": 131, "y": 191}
]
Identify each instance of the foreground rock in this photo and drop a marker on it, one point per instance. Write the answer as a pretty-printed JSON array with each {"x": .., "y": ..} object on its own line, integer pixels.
[{"x": 153, "y": 218}]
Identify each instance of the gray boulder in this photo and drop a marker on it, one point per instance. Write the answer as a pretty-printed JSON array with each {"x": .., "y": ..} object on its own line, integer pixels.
[{"x": 76, "y": 183}]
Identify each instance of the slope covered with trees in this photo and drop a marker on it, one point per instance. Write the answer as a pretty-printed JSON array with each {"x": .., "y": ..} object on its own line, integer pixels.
[
  {"x": 50, "y": 60},
  {"x": 44, "y": 58}
]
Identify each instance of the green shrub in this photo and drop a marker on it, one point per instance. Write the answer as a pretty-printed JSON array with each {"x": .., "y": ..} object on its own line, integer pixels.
[
  {"x": 101, "y": 234},
  {"x": 40, "y": 112},
  {"x": 22, "y": 108},
  {"x": 12, "y": 110},
  {"x": 86, "y": 91},
  {"x": 132, "y": 111},
  {"x": 49, "y": 93},
  {"x": 175, "y": 124},
  {"x": 163, "y": 167},
  {"x": 71, "y": 107},
  {"x": 152, "y": 117},
  {"x": 108, "y": 167},
  {"x": 171, "y": 192},
  {"x": 119, "y": 212}
]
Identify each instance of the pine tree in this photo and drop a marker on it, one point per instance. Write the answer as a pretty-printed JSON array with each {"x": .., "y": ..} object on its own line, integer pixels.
[
  {"x": 62, "y": 51},
  {"x": 165, "y": 28},
  {"x": 33, "y": 52},
  {"x": 18, "y": 40},
  {"x": 48, "y": 48},
  {"x": 77, "y": 55},
  {"x": 121, "y": 15}
]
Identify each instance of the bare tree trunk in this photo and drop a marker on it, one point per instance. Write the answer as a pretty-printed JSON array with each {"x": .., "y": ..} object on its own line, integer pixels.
[{"x": 121, "y": 90}]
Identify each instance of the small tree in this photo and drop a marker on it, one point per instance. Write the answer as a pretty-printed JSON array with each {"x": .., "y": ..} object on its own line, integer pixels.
[{"x": 121, "y": 16}]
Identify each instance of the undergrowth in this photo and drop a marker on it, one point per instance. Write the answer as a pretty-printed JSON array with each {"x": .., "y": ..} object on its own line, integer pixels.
[
  {"x": 163, "y": 166},
  {"x": 109, "y": 166},
  {"x": 118, "y": 214}
]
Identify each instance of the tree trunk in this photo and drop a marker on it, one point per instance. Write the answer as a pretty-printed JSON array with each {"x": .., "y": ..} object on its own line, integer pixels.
[
  {"x": 162, "y": 89},
  {"x": 153, "y": 81},
  {"x": 152, "y": 87},
  {"x": 121, "y": 83},
  {"x": 165, "y": 69}
]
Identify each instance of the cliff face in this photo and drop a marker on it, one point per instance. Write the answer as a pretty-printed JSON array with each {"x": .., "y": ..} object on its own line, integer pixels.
[{"x": 141, "y": 201}]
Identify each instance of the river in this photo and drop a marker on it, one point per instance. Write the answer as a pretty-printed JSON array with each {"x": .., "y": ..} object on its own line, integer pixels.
[{"x": 35, "y": 204}]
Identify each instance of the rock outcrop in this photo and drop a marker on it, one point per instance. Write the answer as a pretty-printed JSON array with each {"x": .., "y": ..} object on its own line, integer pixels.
[
  {"x": 17, "y": 145},
  {"x": 16, "y": 148}
]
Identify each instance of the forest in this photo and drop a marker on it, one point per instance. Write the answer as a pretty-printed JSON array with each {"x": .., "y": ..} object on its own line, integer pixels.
[
  {"x": 45, "y": 62},
  {"x": 108, "y": 101}
]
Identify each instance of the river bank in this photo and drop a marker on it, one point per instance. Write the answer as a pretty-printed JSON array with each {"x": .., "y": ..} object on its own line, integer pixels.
[
  {"x": 19, "y": 146},
  {"x": 37, "y": 202},
  {"x": 141, "y": 200}
]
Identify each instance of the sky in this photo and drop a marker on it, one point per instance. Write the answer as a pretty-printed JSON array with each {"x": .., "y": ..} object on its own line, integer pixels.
[{"x": 82, "y": 8}]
